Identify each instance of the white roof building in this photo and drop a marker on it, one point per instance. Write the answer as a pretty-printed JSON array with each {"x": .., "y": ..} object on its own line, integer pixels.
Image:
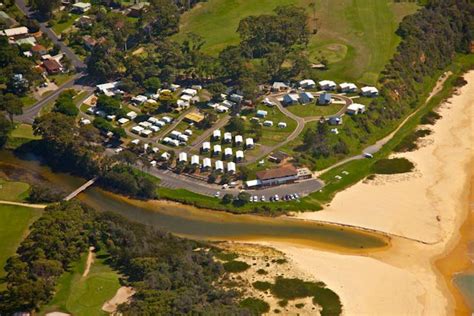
[
  {"x": 191, "y": 92},
  {"x": 355, "y": 108},
  {"x": 216, "y": 134},
  {"x": 279, "y": 86},
  {"x": 281, "y": 125},
  {"x": 154, "y": 128},
  {"x": 217, "y": 149},
  {"x": 166, "y": 140},
  {"x": 268, "y": 123},
  {"x": 221, "y": 109},
  {"x": 228, "y": 104},
  {"x": 348, "y": 87},
  {"x": 228, "y": 137},
  {"x": 207, "y": 163},
  {"x": 239, "y": 139},
  {"x": 137, "y": 129},
  {"x": 231, "y": 167},
  {"x": 239, "y": 154},
  {"x": 175, "y": 134},
  {"x": 262, "y": 113},
  {"x": 206, "y": 146},
  {"x": 307, "y": 83},
  {"x": 369, "y": 91},
  {"x": 228, "y": 152},
  {"x": 123, "y": 121},
  {"x": 132, "y": 115},
  {"x": 188, "y": 132},
  {"x": 165, "y": 156},
  {"x": 253, "y": 183},
  {"x": 152, "y": 120},
  {"x": 146, "y": 132},
  {"x": 139, "y": 99},
  {"x": 160, "y": 123},
  {"x": 135, "y": 141},
  {"x": 16, "y": 31},
  {"x": 291, "y": 98},
  {"x": 109, "y": 89},
  {"x": 145, "y": 124},
  {"x": 183, "y": 157},
  {"x": 195, "y": 160},
  {"x": 183, "y": 138},
  {"x": 167, "y": 119},
  {"x": 81, "y": 6},
  {"x": 186, "y": 97},
  {"x": 249, "y": 142},
  {"x": 327, "y": 85},
  {"x": 173, "y": 142},
  {"x": 219, "y": 165}
]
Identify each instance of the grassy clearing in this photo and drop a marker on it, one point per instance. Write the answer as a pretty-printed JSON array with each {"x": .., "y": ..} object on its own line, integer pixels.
[
  {"x": 28, "y": 101},
  {"x": 80, "y": 295},
  {"x": 308, "y": 110},
  {"x": 60, "y": 27},
  {"x": 392, "y": 166},
  {"x": 14, "y": 223},
  {"x": 60, "y": 79},
  {"x": 357, "y": 37},
  {"x": 13, "y": 191},
  {"x": 23, "y": 131}
]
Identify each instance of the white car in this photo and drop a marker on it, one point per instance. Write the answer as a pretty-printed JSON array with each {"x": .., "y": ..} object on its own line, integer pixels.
[
  {"x": 117, "y": 150},
  {"x": 368, "y": 155},
  {"x": 277, "y": 198},
  {"x": 262, "y": 198},
  {"x": 297, "y": 196},
  {"x": 255, "y": 198},
  {"x": 217, "y": 194}
]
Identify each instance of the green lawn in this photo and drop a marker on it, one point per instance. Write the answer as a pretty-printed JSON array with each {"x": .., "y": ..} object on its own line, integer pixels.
[
  {"x": 23, "y": 131},
  {"x": 307, "y": 110},
  {"x": 357, "y": 37},
  {"x": 58, "y": 28},
  {"x": 80, "y": 295},
  {"x": 13, "y": 191},
  {"x": 14, "y": 223},
  {"x": 61, "y": 78},
  {"x": 28, "y": 101}
]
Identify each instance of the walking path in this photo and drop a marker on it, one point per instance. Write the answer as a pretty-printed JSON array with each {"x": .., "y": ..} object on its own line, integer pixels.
[
  {"x": 23, "y": 204},
  {"x": 89, "y": 262}
]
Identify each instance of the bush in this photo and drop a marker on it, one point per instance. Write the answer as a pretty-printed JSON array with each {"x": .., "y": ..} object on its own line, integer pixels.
[
  {"x": 262, "y": 272},
  {"x": 430, "y": 118},
  {"x": 226, "y": 256},
  {"x": 262, "y": 285},
  {"x": 409, "y": 142},
  {"x": 283, "y": 303},
  {"x": 236, "y": 266},
  {"x": 255, "y": 306},
  {"x": 392, "y": 166},
  {"x": 43, "y": 194}
]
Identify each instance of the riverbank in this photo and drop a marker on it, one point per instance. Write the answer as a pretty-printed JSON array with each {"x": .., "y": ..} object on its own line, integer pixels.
[{"x": 429, "y": 204}]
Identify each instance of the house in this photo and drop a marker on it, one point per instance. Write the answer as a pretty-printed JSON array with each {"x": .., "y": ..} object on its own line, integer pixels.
[
  {"x": 304, "y": 173},
  {"x": 188, "y": 132},
  {"x": 110, "y": 117},
  {"x": 228, "y": 152},
  {"x": 249, "y": 144},
  {"x": 348, "y": 87},
  {"x": 228, "y": 104},
  {"x": 239, "y": 155},
  {"x": 31, "y": 41},
  {"x": 81, "y": 7},
  {"x": 84, "y": 21},
  {"x": 237, "y": 98},
  {"x": 277, "y": 157},
  {"x": 262, "y": 113},
  {"x": 137, "y": 129},
  {"x": 138, "y": 9},
  {"x": 222, "y": 109},
  {"x": 307, "y": 84},
  {"x": 109, "y": 89},
  {"x": 327, "y": 85},
  {"x": 174, "y": 142},
  {"x": 277, "y": 176},
  {"x": 267, "y": 102},
  {"x": 268, "y": 123},
  {"x": 89, "y": 42},
  {"x": 335, "y": 120},
  {"x": 174, "y": 134},
  {"x": 165, "y": 156},
  {"x": 167, "y": 119},
  {"x": 369, "y": 91},
  {"x": 132, "y": 115},
  {"x": 182, "y": 157},
  {"x": 219, "y": 164},
  {"x": 355, "y": 109},
  {"x": 252, "y": 184},
  {"x": 206, "y": 146},
  {"x": 325, "y": 98},
  {"x": 139, "y": 99},
  {"x": 195, "y": 160},
  {"x": 238, "y": 140},
  {"x": 15, "y": 32},
  {"x": 183, "y": 138},
  {"x": 281, "y": 125},
  {"x": 227, "y": 137},
  {"x": 217, "y": 150},
  {"x": 146, "y": 133},
  {"x": 160, "y": 123},
  {"x": 189, "y": 92},
  {"x": 231, "y": 168},
  {"x": 39, "y": 49},
  {"x": 306, "y": 97},
  {"x": 52, "y": 66},
  {"x": 154, "y": 128},
  {"x": 194, "y": 117},
  {"x": 216, "y": 135},
  {"x": 279, "y": 86},
  {"x": 290, "y": 99},
  {"x": 206, "y": 163},
  {"x": 85, "y": 121},
  {"x": 123, "y": 121}
]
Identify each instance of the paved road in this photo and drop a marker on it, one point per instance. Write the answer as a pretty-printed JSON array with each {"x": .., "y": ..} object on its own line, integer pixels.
[{"x": 76, "y": 61}]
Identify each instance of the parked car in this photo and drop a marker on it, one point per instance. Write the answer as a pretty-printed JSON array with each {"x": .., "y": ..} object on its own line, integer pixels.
[
  {"x": 368, "y": 155},
  {"x": 262, "y": 198}
]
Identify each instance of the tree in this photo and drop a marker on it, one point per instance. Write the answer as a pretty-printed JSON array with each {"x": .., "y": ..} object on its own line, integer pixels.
[
  {"x": 11, "y": 104},
  {"x": 152, "y": 84},
  {"x": 227, "y": 198},
  {"x": 232, "y": 62},
  {"x": 45, "y": 7},
  {"x": 236, "y": 124},
  {"x": 244, "y": 197},
  {"x": 216, "y": 89},
  {"x": 109, "y": 105},
  {"x": 65, "y": 104}
]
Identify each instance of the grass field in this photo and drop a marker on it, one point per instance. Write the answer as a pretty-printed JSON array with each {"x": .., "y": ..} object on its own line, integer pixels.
[
  {"x": 58, "y": 28},
  {"x": 23, "y": 131},
  {"x": 28, "y": 101},
  {"x": 80, "y": 295},
  {"x": 13, "y": 191},
  {"x": 357, "y": 37},
  {"x": 308, "y": 110},
  {"x": 14, "y": 223}
]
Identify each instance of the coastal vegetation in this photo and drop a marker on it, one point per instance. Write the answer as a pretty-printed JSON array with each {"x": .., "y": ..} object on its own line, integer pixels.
[
  {"x": 392, "y": 166},
  {"x": 168, "y": 274},
  {"x": 410, "y": 142},
  {"x": 256, "y": 306},
  {"x": 235, "y": 266}
]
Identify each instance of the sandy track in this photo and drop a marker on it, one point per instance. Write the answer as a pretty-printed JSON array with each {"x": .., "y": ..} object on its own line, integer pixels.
[
  {"x": 90, "y": 261},
  {"x": 123, "y": 295}
]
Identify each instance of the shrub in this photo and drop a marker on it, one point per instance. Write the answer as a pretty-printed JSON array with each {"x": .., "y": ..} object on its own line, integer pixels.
[
  {"x": 235, "y": 266},
  {"x": 262, "y": 272},
  {"x": 409, "y": 142},
  {"x": 43, "y": 194},
  {"x": 283, "y": 303},
  {"x": 430, "y": 118},
  {"x": 262, "y": 285},
  {"x": 226, "y": 256},
  {"x": 392, "y": 166},
  {"x": 255, "y": 306}
]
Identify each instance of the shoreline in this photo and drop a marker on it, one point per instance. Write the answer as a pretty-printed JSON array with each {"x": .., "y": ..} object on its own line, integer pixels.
[{"x": 429, "y": 204}]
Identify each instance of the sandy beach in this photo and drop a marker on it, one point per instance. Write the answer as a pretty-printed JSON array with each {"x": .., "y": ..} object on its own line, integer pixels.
[{"x": 429, "y": 205}]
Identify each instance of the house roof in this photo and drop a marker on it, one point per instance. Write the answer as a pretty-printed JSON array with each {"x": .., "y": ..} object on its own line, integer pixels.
[
  {"x": 16, "y": 31},
  {"x": 285, "y": 171},
  {"x": 325, "y": 96},
  {"x": 51, "y": 65},
  {"x": 38, "y": 48}
]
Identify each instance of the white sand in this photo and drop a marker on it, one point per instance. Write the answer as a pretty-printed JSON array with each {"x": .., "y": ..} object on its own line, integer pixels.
[
  {"x": 123, "y": 295},
  {"x": 429, "y": 204}
]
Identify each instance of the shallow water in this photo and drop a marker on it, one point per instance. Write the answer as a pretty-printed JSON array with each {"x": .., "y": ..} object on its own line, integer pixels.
[{"x": 197, "y": 223}]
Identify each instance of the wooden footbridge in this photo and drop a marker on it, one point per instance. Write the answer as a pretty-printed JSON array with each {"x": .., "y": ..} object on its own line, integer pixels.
[{"x": 80, "y": 189}]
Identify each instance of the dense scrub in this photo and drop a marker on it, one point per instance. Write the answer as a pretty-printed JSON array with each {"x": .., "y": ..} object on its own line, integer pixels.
[
  {"x": 392, "y": 166},
  {"x": 170, "y": 277},
  {"x": 410, "y": 142}
]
